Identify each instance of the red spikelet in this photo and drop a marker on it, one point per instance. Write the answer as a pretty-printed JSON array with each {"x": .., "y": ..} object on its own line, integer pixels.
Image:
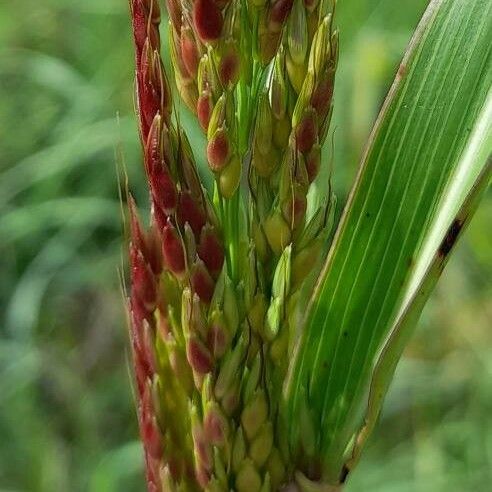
[
  {"x": 323, "y": 93},
  {"x": 198, "y": 356},
  {"x": 208, "y": 20},
  {"x": 143, "y": 283},
  {"x": 218, "y": 150},
  {"x": 204, "y": 108},
  {"x": 189, "y": 211},
  {"x": 163, "y": 189},
  {"x": 230, "y": 64},
  {"x": 202, "y": 282},
  {"x": 307, "y": 131},
  {"x": 172, "y": 249},
  {"x": 189, "y": 51},
  {"x": 210, "y": 250},
  {"x": 279, "y": 12}
]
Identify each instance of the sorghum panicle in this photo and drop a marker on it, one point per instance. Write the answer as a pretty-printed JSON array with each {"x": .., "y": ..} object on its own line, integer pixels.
[{"x": 214, "y": 297}]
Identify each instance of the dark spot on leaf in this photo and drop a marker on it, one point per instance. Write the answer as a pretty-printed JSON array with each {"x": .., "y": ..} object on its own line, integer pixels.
[
  {"x": 344, "y": 474},
  {"x": 368, "y": 214},
  {"x": 325, "y": 364},
  {"x": 345, "y": 334},
  {"x": 450, "y": 238},
  {"x": 402, "y": 70}
]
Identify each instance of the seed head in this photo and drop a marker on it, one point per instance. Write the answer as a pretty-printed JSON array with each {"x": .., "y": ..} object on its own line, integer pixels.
[
  {"x": 172, "y": 249},
  {"x": 201, "y": 281},
  {"x": 204, "y": 108},
  {"x": 215, "y": 425},
  {"x": 218, "y": 150},
  {"x": 208, "y": 20},
  {"x": 268, "y": 43},
  {"x": 323, "y": 93},
  {"x": 190, "y": 212},
  {"x": 229, "y": 64},
  {"x": 218, "y": 337},
  {"x": 307, "y": 131},
  {"x": 294, "y": 207},
  {"x": 278, "y": 14},
  {"x": 210, "y": 250},
  {"x": 254, "y": 415},
  {"x": 304, "y": 261},
  {"x": 215, "y": 286},
  {"x": 238, "y": 450},
  {"x": 207, "y": 75},
  {"x": 219, "y": 115},
  {"x": 198, "y": 355},
  {"x": 226, "y": 384},
  {"x": 313, "y": 162},
  {"x": 163, "y": 189},
  {"x": 189, "y": 51},
  {"x": 143, "y": 282}
]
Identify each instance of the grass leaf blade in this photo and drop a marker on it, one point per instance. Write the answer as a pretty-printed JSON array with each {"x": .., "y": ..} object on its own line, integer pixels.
[{"x": 416, "y": 148}]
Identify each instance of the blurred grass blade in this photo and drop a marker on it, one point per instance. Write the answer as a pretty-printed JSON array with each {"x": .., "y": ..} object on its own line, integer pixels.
[
  {"x": 407, "y": 319},
  {"x": 418, "y": 167}
]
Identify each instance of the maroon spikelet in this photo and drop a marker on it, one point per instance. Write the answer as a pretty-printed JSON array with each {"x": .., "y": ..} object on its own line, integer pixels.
[
  {"x": 307, "y": 132},
  {"x": 189, "y": 51},
  {"x": 218, "y": 150},
  {"x": 279, "y": 12},
  {"x": 208, "y": 20},
  {"x": 210, "y": 250},
  {"x": 172, "y": 249},
  {"x": 201, "y": 281},
  {"x": 191, "y": 212},
  {"x": 204, "y": 108}
]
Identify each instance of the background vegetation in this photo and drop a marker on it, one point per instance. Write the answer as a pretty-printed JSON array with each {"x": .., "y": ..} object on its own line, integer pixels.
[{"x": 66, "y": 417}]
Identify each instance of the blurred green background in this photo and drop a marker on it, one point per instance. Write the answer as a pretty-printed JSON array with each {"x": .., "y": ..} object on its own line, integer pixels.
[{"x": 66, "y": 408}]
